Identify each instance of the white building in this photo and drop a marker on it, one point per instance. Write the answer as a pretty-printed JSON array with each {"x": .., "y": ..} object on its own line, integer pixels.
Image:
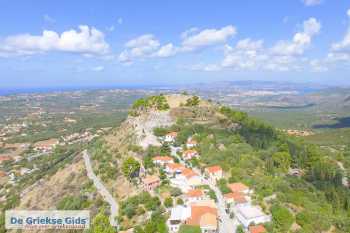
[
  {"x": 178, "y": 216},
  {"x": 170, "y": 137},
  {"x": 248, "y": 214}
]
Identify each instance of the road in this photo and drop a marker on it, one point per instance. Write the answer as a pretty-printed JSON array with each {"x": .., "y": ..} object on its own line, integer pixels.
[
  {"x": 226, "y": 224},
  {"x": 102, "y": 190}
]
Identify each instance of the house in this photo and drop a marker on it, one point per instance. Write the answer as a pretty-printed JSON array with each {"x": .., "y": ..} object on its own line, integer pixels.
[
  {"x": 235, "y": 198},
  {"x": 174, "y": 168},
  {"x": 162, "y": 160},
  {"x": 214, "y": 173},
  {"x": 150, "y": 183},
  {"x": 248, "y": 214},
  {"x": 5, "y": 158},
  {"x": 170, "y": 137},
  {"x": 257, "y": 229},
  {"x": 2, "y": 174},
  {"x": 239, "y": 188},
  {"x": 190, "y": 154},
  {"x": 178, "y": 216},
  {"x": 46, "y": 145},
  {"x": 195, "y": 195},
  {"x": 191, "y": 143},
  {"x": 186, "y": 180},
  {"x": 205, "y": 217}
]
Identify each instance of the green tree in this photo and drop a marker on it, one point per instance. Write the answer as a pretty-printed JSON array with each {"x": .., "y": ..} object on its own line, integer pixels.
[
  {"x": 240, "y": 229},
  {"x": 130, "y": 167},
  {"x": 168, "y": 202},
  {"x": 282, "y": 218},
  {"x": 282, "y": 160},
  {"x": 101, "y": 224},
  {"x": 189, "y": 229}
]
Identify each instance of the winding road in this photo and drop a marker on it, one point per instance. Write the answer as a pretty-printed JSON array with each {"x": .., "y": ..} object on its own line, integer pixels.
[{"x": 102, "y": 190}]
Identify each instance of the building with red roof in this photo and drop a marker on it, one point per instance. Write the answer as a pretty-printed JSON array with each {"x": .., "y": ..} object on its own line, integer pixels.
[{"x": 257, "y": 229}]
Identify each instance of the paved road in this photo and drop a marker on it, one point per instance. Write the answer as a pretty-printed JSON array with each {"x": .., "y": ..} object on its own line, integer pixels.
[
  {"x": 102, "y": 190},
  {"x": 226, "y": 224}
]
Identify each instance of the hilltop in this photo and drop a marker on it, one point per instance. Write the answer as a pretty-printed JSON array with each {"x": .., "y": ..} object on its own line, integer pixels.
[{"x": 298, "y": 185}]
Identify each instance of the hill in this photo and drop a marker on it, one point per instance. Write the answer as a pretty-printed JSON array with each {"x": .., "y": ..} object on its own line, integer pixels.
[{"x": 301, "y": 185}]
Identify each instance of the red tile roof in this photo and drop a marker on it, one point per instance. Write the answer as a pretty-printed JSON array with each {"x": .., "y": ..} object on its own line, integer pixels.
[
  {"x": 238, "y": 187},
  {"x": 195, "y": 193},
  {"x": 150, "y": 179},
  {"x": 213, "y": 169},
  {"x": 188, "y": 173},
  {"x": 237, "y": 197},
  {"x": 162, "y": 158},
  {"x": 202, "y": 216},
  {"x": 175, "y": 166},
  {"x": 172, "y": 134},
  {"x": 257, "y": 229}
]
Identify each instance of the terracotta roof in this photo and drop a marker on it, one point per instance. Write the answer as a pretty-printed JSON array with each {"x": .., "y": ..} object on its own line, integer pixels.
[
  {"x": 186, "y": 152},
  {"x": 238, "y": 187},
  {"x": 162, "y": 158},
  {"x": 195, "y": 193},
  {"x": 237, "y": 197},
  {"x": 191, "y": 141},
  {"x": 202, "y": 216},
  {"x": 257, "y": 229},
  {"x": 174, "y": 166},
  {"x": 5, "y": 158},
  {"x": 213, "y": 169},
  {"x": 150, "y": 179},
  {"x": 172, "y": 134},
  {"x": 188, "y": 173},
  {"x": 2, "y": 174}
]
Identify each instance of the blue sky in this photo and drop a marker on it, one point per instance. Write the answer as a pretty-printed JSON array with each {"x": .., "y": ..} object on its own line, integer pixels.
[{"x": 102, "y": 43}]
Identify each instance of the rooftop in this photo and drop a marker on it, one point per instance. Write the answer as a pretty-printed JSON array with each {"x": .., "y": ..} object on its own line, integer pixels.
[
  {"x": 238, "y": 187},
  {"x": 250, "y": 212},
  {"x": 150, "y": 179},
  {"x": 257, "y": 229},
  {"x": 213, "y": 169},
  {"x": 203, "y": 216},
  {"x": 237, "y": 197},
  {"x": 195, "y": 193},
  {"x": 162, "y": 158}
]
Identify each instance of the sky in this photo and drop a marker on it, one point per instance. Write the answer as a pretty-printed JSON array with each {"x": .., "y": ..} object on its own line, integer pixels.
[{"x": 163, "y": 42}]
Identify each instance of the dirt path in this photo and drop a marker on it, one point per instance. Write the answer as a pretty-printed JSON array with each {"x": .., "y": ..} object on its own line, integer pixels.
[{"x": 102, "y": 190}]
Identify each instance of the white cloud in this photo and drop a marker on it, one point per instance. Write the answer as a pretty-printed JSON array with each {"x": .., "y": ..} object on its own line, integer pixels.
[
  {"x": 301, "y": 40},
  {"x": 311, "y": 2},
  {"x": 344, "y": 45},
  {"x": 49, "y": 19},
  {"x": 167, "y": 50},
  {"x": 208, "y": 37},
  {"x": 98, "y": 68},
  {"x": 142, "y": 46},
  {"x": 120, "y": 20},
  {"x": 111, "y": 28},
  {"x": 86, "y": 41},
  {"x": 189, "y": 32}
]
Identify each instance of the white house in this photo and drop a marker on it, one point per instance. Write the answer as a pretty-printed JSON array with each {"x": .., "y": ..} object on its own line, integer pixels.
[
  {"x": 174, "y": 168},
  {"x": 214, "y": 173},
  {"x": 186, "y": 180},
  {"x": 191, "y": 143},
  {"x": 162, "y": 160},
  {"x": 239, "y": 188},
  {"x": 170, "y": 137},
  {"x": 178, "y": 215},
  {"x": 195, "y": 195},
  {"x": 248, "y": 214},
  {"x": 189, "y": 154}
]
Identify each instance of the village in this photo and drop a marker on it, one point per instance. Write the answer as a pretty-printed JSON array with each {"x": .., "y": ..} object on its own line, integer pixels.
[{"x": 204, "y": 205}]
